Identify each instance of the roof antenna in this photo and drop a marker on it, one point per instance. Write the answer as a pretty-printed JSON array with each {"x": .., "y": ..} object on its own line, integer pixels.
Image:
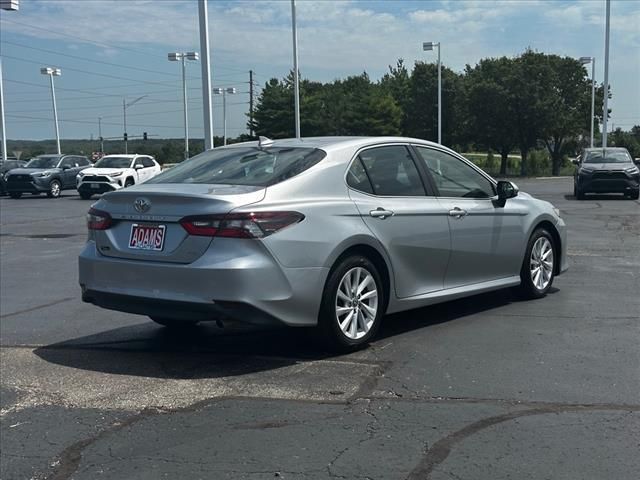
[{"x": 264, "y": 142}]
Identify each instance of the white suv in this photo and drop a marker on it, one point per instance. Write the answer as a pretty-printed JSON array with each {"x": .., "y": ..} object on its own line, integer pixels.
[{"x": 113, "y": 172}]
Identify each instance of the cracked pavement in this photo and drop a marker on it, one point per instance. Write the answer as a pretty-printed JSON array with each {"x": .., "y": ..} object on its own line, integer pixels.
[{"x": 482, "y": 388}]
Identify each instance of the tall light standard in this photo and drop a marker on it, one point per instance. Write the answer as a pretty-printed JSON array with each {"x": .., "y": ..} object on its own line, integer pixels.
[
  {"x": 223, "y": 92},
  {"x": 592, "y": 61},
  {"x": 53, "y": 72},
  {"x": 206, "y": 74},
  {"x": 429, "y": 46},
  {"x": 296, "y": 82},
  {"x": 126, "y": 105},
  {"x": 184, "y": 56},
  {"x": 5, "y": 5},
  {"x": 605, "y": 107}
]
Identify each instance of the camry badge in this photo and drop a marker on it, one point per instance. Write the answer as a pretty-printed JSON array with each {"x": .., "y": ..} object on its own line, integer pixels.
[{"x": 141, "y": 205}]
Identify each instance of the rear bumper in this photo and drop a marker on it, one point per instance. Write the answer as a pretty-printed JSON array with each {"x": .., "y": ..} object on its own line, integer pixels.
[{"x": 252, "y": 289}]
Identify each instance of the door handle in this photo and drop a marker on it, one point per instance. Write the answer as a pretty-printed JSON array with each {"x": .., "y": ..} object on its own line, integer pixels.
[
  {"x": 457, "y": 212},
  {"x": 381, "y": 213}
]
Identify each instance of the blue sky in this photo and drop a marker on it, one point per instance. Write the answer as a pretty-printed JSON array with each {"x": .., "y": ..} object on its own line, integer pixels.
[{"x": 111, "y": 49}]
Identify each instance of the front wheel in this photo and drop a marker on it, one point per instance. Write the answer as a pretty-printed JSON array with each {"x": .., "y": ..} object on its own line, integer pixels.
[
  {"x": 15, "y": 194},
  {"x": 129, "y": 183},
  {"x": 538, "y": 266},
  {"x": 352, "y": 304},
  {"x": 55, "y": 187},
  {"x": 579, "y": 193},
  {"x": 85, "y": 195},
  {"x": 634, "y": 195}
]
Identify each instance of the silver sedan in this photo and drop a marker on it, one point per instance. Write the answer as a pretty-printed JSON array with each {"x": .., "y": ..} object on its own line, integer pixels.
[{"x": 326, "y": 232}]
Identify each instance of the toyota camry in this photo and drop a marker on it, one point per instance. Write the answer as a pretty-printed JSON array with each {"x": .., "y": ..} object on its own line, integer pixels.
[{"x": 331, "y": 232}]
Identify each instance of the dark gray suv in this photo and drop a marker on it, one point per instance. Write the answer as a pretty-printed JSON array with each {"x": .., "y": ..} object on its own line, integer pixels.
[
  {"x": 48, "y": 174},
  {"x": 606, "y": 170}
]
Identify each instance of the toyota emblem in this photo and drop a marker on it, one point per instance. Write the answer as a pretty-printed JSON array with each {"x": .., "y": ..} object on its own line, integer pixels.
[{"x": 141, "y": 205}]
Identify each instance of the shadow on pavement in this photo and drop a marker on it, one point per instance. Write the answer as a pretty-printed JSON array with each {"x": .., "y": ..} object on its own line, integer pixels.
[{"x": 206, "y": 351}]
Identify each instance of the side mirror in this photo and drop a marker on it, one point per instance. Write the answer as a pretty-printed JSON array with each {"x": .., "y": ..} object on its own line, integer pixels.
[
  {"x": 138, "y": 166},
  {"x": 66, "y": 167},
  {"x": 506, "y": 190},
  {"x": 576, "y": 161},
  {"x": 636, "y": 161}
]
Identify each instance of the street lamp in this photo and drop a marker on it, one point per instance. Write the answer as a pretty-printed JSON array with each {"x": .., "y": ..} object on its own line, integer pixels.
[
  {"x": 223, "y": 92},
  {"x": 592, "y": 61},
  {"x": 126, "y": 105},
  {"x": 5, "y": 5},
  {"x": 425, "y": 47},
  {"x": 183, "y": 56},
  {"x": 53, "y": 72},
  {"x": 605, "y": 107}
]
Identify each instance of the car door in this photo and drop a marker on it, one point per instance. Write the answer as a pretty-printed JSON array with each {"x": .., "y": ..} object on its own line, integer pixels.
[
  {"x": 486, "y": 239},
  {"x": 138, "y": 166},
  {"x": 68, "y": 174},
  {"x": 148, "y": 168},
  {"x": 413, "y": 227}
]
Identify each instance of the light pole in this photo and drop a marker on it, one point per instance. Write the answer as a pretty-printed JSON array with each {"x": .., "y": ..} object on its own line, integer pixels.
[
  {"x": 223, "y": 92},
  {"x": 206, "y": 74},
  {"x": 126, "y": 105},
  {"x": 605, "y": 108},
  {"x": 296, "y": 86},
  {"x": 53, "y": 72},
  {"x": 5, "y": 5},
  {"x": 429, "y": 46},
  {"x": 592, "y": 61},
  {"x": 183, "y": 56},
  {"x": 100, "y": 134}
]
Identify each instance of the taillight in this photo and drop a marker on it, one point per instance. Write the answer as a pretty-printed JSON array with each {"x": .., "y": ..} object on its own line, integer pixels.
[
  {"x": 240, "y": 225},
  {"x": 98, "y": 220}
]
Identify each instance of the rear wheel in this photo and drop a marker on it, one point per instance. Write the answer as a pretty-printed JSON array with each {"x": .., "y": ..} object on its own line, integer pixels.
[
  {"x": 15, "y": 194},
  {"x": 55, "y": 187},
  {"x": 174, "y": 324},
  {"x": 538, "y": 266},
  {"x": 352, "y": 304},
  {"x": 85, "y": 195}
]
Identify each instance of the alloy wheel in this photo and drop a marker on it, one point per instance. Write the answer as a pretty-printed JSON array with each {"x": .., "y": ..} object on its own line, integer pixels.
[
  {"x": 356, "y": 303},
  {"x": 541, "y": 263}
]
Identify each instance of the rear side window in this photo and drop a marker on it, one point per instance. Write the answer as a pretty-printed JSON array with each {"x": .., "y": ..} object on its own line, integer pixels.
[
  {"x": 392, "y": 171},
  {"x": 243, "y": 166},
  {"x": 147, "y": 162},
  {"x": 357, "y": 177}
]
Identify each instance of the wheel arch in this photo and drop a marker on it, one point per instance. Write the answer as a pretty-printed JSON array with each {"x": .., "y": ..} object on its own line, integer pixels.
[
  {"x": 557, "y": 241},
  {"x": 375, "y": 256}
]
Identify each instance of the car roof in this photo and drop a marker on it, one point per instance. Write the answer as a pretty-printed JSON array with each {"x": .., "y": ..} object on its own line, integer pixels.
[
  {"x": 126, "y": 155},
  {"x": 327, "y": 143},
  {"x": 597, "y": 149}
]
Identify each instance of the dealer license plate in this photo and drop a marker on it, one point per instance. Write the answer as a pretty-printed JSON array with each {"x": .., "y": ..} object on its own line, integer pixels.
[
  {"x": 95, "y": 185},
  {"x": 147, "y": 237}
]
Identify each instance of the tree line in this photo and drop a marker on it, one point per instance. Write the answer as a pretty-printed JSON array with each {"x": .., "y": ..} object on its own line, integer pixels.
[{"x": 506, "y": 104}]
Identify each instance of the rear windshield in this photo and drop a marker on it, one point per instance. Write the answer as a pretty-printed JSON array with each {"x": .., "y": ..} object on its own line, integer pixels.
[
  {"x": 43, "y": 162},
  {"x": 608, "y": 156},
  {"x": 113, "y": 162},
  {"x": 242, "y": 166}
]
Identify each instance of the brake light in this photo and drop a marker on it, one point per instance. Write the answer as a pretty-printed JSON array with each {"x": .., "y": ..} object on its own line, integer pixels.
[
  {"x": 98, "y": 220},
  {"x": 240, "y": 225}
]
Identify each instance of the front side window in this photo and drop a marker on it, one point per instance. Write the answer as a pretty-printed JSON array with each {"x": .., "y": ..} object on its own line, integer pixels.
[
  {"x": 392, "y": 171},
  {"x": 453, "y": 177},
  {"x": 243, "y": 166},
  {"x": 67, "y": 162}
]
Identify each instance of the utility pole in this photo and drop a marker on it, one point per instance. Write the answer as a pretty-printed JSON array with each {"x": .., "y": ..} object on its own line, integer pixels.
[
  {"x": 251, "y": 103},
  {"x": 100, "y": 134},
  {"x": 3, "y": 127},
  {"x": 296, "y": 77}
]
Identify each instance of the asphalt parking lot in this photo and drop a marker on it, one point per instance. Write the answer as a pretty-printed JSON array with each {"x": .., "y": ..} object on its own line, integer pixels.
[{"x": 483, "y": 388}]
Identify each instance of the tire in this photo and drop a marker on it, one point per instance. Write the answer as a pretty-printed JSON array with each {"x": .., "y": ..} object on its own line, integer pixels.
[
  {"x": 129, "y": 182},
  {"x": 634, "y": 195},
  {"x": 336, "y": 318},
  {"x": 174, "y": 324},
  {"x": 15, "y": 194},
  {"x": 579, "y": 194},
  {"x": 55, "y": 188},
  {"x": 537, "y": 272},
  {"x": 85, "y": 195}
]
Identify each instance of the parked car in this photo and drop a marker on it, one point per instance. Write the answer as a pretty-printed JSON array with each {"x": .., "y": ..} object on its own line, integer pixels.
[
  {"x": 10, "y": 164},
  {"x": 113, "y": 172},
  {"x": 50, "y": 174},
  {"x": 326, "y": 232},
  {"x": 610, "y": 170}
]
